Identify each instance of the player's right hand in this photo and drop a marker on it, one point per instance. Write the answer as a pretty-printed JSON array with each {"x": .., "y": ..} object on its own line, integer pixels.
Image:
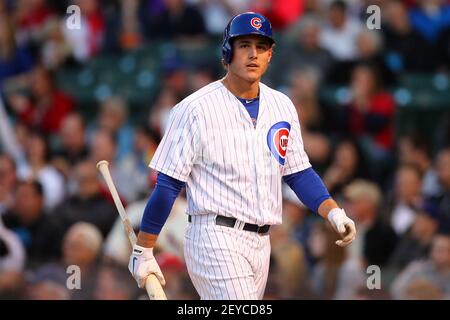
[{"x": 142, "y": 264}]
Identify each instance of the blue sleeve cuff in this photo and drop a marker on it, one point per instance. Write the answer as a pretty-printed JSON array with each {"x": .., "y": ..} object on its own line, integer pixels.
[
  {"x": 160, "y": 203},
  {"x": 308, "y": 187}
]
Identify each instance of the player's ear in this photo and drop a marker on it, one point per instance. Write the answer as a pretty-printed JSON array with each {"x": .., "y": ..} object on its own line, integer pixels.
[{"x": 224, "y": 64}]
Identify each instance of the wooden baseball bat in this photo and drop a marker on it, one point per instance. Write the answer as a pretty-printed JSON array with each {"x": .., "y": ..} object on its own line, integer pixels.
[{"x": 153, "y": 286}]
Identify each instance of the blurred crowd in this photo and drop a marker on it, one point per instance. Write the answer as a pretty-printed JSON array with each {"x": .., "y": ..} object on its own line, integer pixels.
[{"x": 55, "y": 210}]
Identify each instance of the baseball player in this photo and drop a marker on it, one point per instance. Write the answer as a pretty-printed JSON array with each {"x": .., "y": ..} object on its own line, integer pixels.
[{"x": 232, "y": 143}]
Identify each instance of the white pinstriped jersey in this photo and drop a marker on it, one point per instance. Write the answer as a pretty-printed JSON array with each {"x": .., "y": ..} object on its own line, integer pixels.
[{"x": 230, "y": 167}]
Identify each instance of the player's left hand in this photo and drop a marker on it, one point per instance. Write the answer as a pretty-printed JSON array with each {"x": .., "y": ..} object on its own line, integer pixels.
[{"x": 342, "y": 225}]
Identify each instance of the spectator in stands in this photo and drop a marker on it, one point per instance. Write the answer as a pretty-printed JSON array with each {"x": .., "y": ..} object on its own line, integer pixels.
[
  {"x": 14, "y": 59},
  {"x": 8, "y": 180},
  {"x": 217, "y": 13},
  {"x": 39, "y": 234},
  {"x": 297, "y": 216},
  {"x": 292, "y": 277},
  {"x": 370, "y": 51},
  {"x": 103, "y": 147},
  {"x": 401, "y": 39},
  {"x": 160, "y": 111},
  {"x": 12, "y": 256},
  {"x": 87, "y": 204},
  {"x": 12, "y": 263},
  {"x": 335, "y": 275},
  {"x": 427, "y": 279},
  {"x": 302, "y": 49},
  {"x": 130, "y": 36},
  {"x": 21, "y": 133},
  {"x": 370, "y": 117},
  {"x": 376, "y": 240},
  {"x": 177, "y": 20},
  {"x": 407, "y": 198},
  {"x": 136, "y": 162},
  {"x": 46, "y": 107},
  {"x": 319, "y": 150},
  {"x": 81, "y": 247},
  {"x": 87, "y": 41},
  {"x": 415, "y": 149},
  {"x": 48, "y": 282},
  {"x": 73, "y": 145},
  {"x": 114, "y": 283},
  {"x": 347, "y": 165},
  {"x": 315, "y": 7},
  {"x": 303, "y": 91},
  {"x": 202, "y": 75},
  {"x": 281, "y": 13},
  {"x": 443, "y": 171},
  {"x": 55, "y": 51},
  {"x": 430, "y": 17},
  {"x": 145, "y": 144},
  {"x": 175, "y": 76},
  {"x": 416, "y": 243},
  {"x": 32, "y": 17},
  {"x": 339, "y": 37},
  {"x": 38, "y": 156},
  {"x": 114, "y": 118}
]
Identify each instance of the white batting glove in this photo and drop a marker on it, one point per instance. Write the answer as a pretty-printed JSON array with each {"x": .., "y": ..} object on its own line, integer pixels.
[
  {"x": 142, "y": 264},
  {"x": 342, "y": 225}
]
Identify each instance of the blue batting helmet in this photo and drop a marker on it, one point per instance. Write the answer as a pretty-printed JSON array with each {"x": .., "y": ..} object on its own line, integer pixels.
[{"x": 244, "y": 24}]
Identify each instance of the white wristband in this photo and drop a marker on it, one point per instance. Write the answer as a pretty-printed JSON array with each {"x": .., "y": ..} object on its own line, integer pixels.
[
  {"x": 139, "y": 250},
  {"x": 335, "y": 212}
]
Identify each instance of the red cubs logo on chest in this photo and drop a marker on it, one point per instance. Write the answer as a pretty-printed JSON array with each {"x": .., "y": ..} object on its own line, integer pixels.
[
  {"x": 280, "y": 140},
  {"x": 277, "y": 140}
]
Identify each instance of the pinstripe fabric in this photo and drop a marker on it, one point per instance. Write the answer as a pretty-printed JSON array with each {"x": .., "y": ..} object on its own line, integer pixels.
[
  {"x": 229, "y": 169},
  {"x": 226, "y": 263}
]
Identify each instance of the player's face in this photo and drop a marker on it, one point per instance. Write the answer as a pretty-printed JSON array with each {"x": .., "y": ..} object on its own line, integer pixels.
[{"x": 251, "y": 56}]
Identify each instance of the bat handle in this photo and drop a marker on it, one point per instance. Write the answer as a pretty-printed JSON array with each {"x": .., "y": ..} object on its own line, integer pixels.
[{"x": 154, "y": 289}]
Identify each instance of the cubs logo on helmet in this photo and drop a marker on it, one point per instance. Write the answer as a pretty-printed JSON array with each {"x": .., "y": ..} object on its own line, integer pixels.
[
  {"x": 256, "y": 23},
  {"x": 277, "y": 140}
]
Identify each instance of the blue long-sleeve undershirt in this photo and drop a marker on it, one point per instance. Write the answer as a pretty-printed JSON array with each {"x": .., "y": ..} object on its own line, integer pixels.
[
  {"x": 160, "y": 203},
  {"x": 308, "y": 187}
]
